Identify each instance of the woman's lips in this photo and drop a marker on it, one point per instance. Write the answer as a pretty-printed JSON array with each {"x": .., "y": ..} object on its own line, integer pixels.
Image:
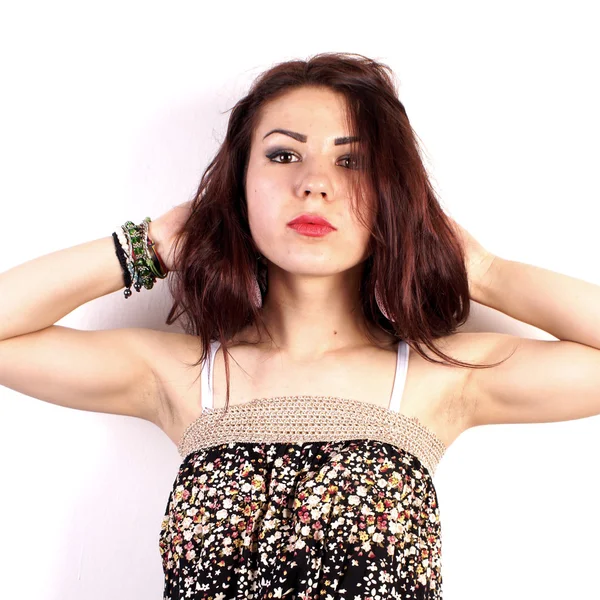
[{"x": 311, "y": 229}]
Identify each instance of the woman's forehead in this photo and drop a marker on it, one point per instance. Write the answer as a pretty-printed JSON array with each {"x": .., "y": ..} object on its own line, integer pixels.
[{"x": 304, "y": 111}]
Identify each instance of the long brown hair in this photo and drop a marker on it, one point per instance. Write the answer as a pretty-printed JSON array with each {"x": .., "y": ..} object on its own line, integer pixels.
[{"x": 414, "y": 253}]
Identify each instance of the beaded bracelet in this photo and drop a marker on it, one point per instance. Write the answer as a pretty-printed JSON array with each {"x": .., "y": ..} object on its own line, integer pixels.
[{"x": 138, "y": 257}]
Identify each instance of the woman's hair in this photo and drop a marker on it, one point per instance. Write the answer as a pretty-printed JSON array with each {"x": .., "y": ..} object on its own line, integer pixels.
[{"x": 414, "y": 253}]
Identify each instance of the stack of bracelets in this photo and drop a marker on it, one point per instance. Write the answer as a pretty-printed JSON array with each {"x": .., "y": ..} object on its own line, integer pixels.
[{"x": 139, "y": 260}]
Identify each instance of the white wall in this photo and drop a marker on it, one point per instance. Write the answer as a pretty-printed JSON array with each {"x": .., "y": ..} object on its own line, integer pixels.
[{"x": 110, "y": 111}]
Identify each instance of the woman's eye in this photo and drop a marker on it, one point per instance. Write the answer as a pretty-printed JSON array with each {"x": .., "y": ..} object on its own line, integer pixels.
[
  {"x": 354, "y": 161},
  {"x": 356, "y": 164},
  {"x": 351, "y": 165},
  {"x": 279, "y": 153}
]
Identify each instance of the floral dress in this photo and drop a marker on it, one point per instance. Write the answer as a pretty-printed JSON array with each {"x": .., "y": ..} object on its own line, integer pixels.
[{"x": 304, "y": 498}]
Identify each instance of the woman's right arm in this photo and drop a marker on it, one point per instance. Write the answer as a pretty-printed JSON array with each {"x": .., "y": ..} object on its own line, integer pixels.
[{"x": 109, "y": 371}]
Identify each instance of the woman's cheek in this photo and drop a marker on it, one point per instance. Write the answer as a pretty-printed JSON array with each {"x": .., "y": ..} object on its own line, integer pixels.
[{"x": 264, "y": 225}]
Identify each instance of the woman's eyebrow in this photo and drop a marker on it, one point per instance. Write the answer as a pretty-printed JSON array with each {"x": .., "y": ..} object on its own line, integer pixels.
[{"x": 302, "y": 138}]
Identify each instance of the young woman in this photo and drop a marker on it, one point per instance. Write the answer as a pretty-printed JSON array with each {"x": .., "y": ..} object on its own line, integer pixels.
[{"x": 320, "y": 283}]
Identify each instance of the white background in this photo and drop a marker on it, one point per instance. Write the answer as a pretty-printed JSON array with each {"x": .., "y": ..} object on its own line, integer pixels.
[{"x": 111, "y": 111}]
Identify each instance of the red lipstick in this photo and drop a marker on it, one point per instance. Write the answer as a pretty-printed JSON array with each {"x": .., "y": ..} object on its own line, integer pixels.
[{"x": 311, "y": 225}]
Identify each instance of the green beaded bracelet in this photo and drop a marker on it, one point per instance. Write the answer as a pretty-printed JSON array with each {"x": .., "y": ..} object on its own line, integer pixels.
[{"x": 147, "y": 266}]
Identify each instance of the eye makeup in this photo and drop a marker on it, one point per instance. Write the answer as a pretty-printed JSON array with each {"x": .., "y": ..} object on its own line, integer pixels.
[{"x": 281, "y": 151}]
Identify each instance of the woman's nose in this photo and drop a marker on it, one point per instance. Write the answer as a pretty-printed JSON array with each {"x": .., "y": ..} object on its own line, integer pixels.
[{"x": 317, "y": 181}]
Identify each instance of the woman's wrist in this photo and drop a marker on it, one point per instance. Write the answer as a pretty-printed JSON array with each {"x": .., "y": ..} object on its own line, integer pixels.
[{"x": 155, "y": 234}]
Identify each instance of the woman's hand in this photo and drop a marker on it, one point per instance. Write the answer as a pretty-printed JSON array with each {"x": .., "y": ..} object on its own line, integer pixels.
[
  {"x": 164, "y": 230},
  {"x": 478, "y": 260}
]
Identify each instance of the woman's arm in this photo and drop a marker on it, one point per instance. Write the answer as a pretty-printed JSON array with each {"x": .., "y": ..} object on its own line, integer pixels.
[{"x": 41, "y": 291}]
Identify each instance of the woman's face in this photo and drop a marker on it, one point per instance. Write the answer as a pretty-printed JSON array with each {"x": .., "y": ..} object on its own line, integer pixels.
[{"x": 287, "y": 177}]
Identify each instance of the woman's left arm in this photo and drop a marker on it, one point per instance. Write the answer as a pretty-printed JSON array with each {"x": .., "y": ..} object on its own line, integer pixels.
[{"x": 543, "y": 381}]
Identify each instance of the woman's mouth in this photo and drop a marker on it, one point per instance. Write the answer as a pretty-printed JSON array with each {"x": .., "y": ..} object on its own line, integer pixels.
[
  {"x": 311, "y": 224},
  {"x": 311, "y": 229}
]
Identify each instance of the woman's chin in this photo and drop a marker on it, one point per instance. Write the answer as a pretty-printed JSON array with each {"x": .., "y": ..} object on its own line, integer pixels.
[{"x": 317, "y": 267}]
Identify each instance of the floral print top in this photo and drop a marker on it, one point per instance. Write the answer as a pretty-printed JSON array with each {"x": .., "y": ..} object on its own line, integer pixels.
[{"x": 304, "y": 498}]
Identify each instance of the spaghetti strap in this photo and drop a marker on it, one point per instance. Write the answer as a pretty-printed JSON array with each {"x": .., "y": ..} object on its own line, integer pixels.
[
  {"x": 400, "y": 376},
  {"x": 207, "y": 376}
]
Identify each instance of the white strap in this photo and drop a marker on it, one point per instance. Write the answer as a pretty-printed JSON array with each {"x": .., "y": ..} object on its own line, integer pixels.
[
  {"x": 207, "y": 376},
  {"x": 400, "y": 376}
]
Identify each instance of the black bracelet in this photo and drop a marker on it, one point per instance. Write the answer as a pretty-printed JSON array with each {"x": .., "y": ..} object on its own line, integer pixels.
[{"x": 122, "y": 260}]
